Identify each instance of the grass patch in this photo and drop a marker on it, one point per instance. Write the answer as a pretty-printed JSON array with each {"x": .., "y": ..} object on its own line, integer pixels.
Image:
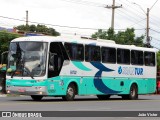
[{"x": 12, "y": 95}]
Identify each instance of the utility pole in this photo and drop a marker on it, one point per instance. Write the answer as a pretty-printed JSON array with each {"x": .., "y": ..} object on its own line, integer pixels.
[
  {"x": 113, "y": 12},
  {"x": 26, "y": 17},
  {"x": 147, "y": 24},
  {"x": 147, "y": 29}
]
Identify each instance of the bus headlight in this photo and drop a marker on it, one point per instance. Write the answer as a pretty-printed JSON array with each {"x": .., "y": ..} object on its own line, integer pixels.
[
  {"x": 8, "y": 91},
  {"x": 40, "y": 93}
]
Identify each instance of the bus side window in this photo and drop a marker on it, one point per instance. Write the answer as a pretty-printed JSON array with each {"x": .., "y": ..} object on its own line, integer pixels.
[
  {"x": 108, "y": 55},
  {"x": 123, "y": 56},
  {"x": 75, "y": 51},
  {"x": 92, "y": 53},
  {"x": 149, "y": 58},
  {"x": 136, "y": 57}
]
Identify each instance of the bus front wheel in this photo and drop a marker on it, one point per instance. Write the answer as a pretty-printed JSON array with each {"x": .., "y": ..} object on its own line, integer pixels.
[
  {"x": 70, "y": 94},
  {"x": 36, "y": 97}
]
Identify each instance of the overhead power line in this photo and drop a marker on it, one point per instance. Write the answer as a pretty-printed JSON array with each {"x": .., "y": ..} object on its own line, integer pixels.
[
  {"x": 156, "y": 39},
  {"x": 154, "y": 4},
  {"x": 129, "y": 17},
  {"x": 131, "y": 10},
  {"x": 85, "y": 3},
  {"x": 154, "y": 30},
  {"x": 57, "y": 25},
  {"x": 138, "y": 22},
  {"x": 48, "y": 24}
]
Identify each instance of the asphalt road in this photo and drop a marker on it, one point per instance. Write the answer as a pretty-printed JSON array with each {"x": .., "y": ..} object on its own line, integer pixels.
[{"x": 82, "y": 103}]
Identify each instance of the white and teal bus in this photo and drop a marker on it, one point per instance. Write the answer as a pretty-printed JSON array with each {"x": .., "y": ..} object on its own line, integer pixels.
[{"x": 41, "y": 66}]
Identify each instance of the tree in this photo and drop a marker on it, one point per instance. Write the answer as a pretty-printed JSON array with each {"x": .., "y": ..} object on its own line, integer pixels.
[
  {"x": 5, "y": 38},
  {"x": 32, "y": 28},
  {"x": 110, "y": 34},
  {"x": 23, "y": 27},
  {"x": 122, "y": 37},
  {"x": 38, "y": 29},
  {"x": 158, "y": 59}
]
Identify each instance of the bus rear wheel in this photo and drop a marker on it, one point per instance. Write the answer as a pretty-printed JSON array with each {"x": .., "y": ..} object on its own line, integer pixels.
[
  {"x": 133, "y": 94},
  {"x": 103, "y": 97},
  {"x": 36, "y": 97},
  {"x": 70, "y": 94}
]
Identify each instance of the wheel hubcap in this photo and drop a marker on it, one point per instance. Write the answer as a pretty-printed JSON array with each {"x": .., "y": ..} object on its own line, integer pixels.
[
  {"x": 70, "y": 92},
  {"x": 133, "y": 92}
]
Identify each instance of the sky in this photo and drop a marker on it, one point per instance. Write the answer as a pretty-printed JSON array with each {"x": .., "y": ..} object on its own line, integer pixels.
[{"x": 89, "y": 14}]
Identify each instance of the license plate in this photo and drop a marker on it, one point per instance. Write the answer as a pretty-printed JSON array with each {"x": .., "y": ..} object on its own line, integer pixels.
[{"x": 21, "y": 90}]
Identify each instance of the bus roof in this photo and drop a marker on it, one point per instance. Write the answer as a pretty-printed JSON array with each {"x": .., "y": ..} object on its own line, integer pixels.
[{"x": 75, "y": 39}]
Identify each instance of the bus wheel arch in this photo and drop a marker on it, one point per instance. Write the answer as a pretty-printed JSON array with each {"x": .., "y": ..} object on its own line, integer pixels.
[{"x": 71, "y": 91}]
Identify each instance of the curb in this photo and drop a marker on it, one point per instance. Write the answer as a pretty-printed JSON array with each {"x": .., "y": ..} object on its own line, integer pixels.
[{"x": 3, "y": 95}]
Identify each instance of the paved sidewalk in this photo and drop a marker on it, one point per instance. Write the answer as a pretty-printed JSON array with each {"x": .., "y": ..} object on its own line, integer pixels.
[{"x": 2, "y": 95}]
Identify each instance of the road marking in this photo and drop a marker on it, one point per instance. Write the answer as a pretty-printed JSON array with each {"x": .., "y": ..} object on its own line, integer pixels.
[
  {"x": 71, "y": 102},
  {"x": 92, "y": 109}
]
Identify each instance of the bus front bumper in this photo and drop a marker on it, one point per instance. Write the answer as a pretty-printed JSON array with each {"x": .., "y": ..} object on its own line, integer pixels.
[{"x": 32, "y": 90}]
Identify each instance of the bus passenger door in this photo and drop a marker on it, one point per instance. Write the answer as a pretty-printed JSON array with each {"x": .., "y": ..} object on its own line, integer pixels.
[{"x": 56, "y": 59}]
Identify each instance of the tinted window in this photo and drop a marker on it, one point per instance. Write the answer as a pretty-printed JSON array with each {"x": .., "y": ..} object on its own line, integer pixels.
[
  {"x": 149, "y": 58},
  {"x": 123, "y": 56},
  {"x": 56, "y": 58},
  {"x": 108, "y": 55},
  {"x": 75, "y": 51},
  {"x": 26, "y": 46},
  {"x": 92, "y": 53},
  {"x": 137, "y": 57}
]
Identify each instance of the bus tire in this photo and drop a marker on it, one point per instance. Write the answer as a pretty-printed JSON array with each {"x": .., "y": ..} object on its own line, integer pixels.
[
  {"x": 36, "y": 97},
  {"x": 70, "y": 93},
  {"x": 103, "y": 97},
  {"x": 133, "y": 95}
]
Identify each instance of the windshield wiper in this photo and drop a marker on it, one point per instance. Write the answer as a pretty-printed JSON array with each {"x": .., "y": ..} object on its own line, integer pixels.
[
  {"x": 13, "y": 73},
  {"x": 28, "y": 71}
]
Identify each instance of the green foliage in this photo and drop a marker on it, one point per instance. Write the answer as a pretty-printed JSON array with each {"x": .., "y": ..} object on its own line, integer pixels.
[
  {"x": 110, "y": 34},
  {"x": 38, "y": 29},
  {"x": 158, "y": 60},
  {"x": 122, "y": 37},
  {"x": 5, "y": 38}
]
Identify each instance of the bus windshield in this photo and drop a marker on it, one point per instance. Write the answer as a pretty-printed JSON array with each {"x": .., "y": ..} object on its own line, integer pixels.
[{"x": 27, "y": 59}]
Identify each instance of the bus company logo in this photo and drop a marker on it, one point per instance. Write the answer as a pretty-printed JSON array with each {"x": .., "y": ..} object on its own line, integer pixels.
[
  {"x": 73, "y": 72},
  {"x": 130, "y": 70},
  {"x": 120, "y": 70}
]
